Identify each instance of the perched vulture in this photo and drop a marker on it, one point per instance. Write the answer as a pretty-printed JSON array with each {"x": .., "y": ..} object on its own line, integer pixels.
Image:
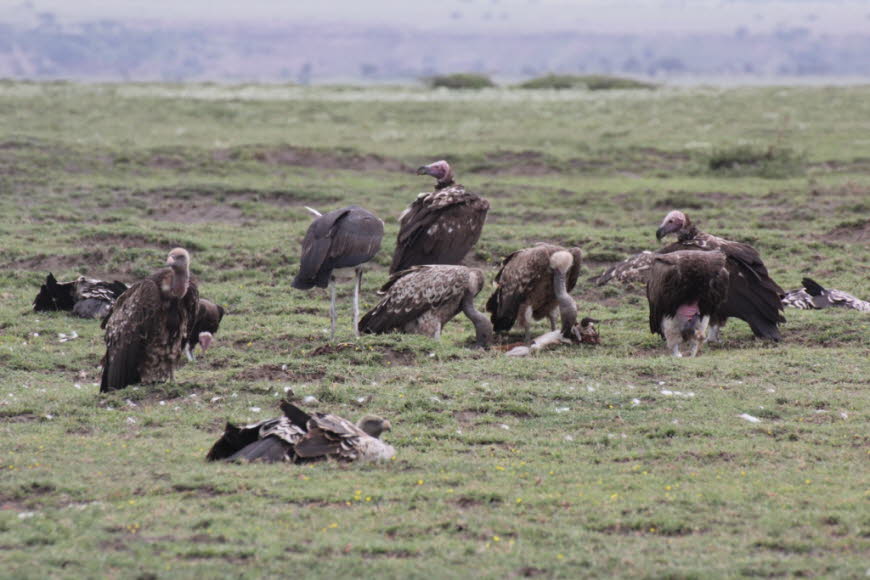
[
  {"x": 423, "y": 299},
  {"x": 85, "y": 297},
  {"x": 440, "y": 226},
  {"x": 534, "y": 283},
  {"x": 752, "y": 295},
  {"x": 814, "y": 296},
  {"x": 299, "y": 437},
  {"x": 149, "y": 324},
  {"x": 205, "y": 325},
  {"x": 343, "y": 238},
  {"x": 685, "y": 291}
]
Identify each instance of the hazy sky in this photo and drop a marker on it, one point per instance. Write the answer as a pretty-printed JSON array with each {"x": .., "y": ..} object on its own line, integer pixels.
[{"x": 526, "y": 15}]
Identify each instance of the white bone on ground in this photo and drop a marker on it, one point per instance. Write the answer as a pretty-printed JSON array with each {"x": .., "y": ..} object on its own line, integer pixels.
[{"x": 750, "y": 418}]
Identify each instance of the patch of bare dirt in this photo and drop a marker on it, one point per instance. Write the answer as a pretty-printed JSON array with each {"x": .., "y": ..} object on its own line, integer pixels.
[
  {"x": 195, "y": 212},
  {"x": 389, "y": 355},
  {"x": 273, "y": 372},
  {"x": 118, "y": 241},
  {"x": 317, "y": 158},
  {"x": 199, "y": 490},
  {"x": 24, "y": 417},
  {"x": 857, "y": 232}
]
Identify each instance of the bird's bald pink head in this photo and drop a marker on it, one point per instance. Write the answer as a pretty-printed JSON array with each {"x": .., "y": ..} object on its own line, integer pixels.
[
  {"x": 673, "y": 222},
  {"x": 440, "y": 170},
  {"x": 205, "y": 340}
]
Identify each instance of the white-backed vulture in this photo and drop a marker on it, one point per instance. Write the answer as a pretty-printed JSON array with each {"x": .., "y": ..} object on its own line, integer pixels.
[
  {"x": 441, "y": 226},
  {"x": 85, "y": 297},
  {"x": 205, "y": 325},
  {"x": 814, "y": 296},
  {"x": 686, "y": 289},
  {"x": 343, "y": 238},
  {"x": 148, "y": 325},
  {"x": 423, "y": 299},
  {"x": 300, "y": 437},
  {"x": 533, "y": 283}
]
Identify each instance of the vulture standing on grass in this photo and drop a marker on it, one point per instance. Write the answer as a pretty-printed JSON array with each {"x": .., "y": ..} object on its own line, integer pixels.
[
  {"x": 534, "y": 283},
  {"x": 299, "y": 437},
  {"x": 85, "y": 297},
  {"x": 814, "y": 296},
  {"x": 205, "y": 325},
  {"x": 686, "y": 290},
  {"x": 423, "y": 299},
  {"x": 441, "y": 226},
  {"x": 148, "y": 326},
  {"x": 343, "y": 238},
  {"x": 752, "y": 295}
]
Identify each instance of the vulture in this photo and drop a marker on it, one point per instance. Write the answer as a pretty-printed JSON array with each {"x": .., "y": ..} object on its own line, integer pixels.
[
  {"x": 686, "y": 290},
  {"x": 814, "y": 296},
  {"x": 85, "y": 297},
  {"x": 149, "y": 325},
  {"x": 205, "y": 325},
  {"x": 300, "y": 437},
  {"x": 633, "y": 269},
  {"x": 440, "y": 226},
  {"x": 752, "y": 295},
  {"x": 534, "y": 283},
  {"x": 343, "y": 238},
  {"x": 423, "y": 299}
]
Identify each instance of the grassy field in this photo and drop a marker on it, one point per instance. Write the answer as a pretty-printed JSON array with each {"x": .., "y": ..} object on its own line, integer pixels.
[{"x": 608, "y": 461}]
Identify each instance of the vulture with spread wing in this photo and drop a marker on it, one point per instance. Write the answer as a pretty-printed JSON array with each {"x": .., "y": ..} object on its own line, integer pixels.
[
  {"x": 300, "y": 437},
  {"x": 205, "y": 325},
  {"x": 423, "y": 299},
  {"x": 343, "y": 238},
  {"x": 685, "y": 291},
  {"x": 534, "y": 283},
  {"x": 814, "y": 296},
  {"x": 441, "y": 226},
  {"x": 752, "y": 295},
  {"x": 85, "y": 297},
  {"x": 148, "y": 326}
]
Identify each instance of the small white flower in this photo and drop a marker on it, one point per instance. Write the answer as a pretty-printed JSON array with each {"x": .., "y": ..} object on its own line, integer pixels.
[
  {"x": 255, "y": 409},
  {"x": 562, "y": 409},
  {"x": 131, "y": 420},
  {"x": 505, "y": 427},
  {"x": 635, "y": 402}
]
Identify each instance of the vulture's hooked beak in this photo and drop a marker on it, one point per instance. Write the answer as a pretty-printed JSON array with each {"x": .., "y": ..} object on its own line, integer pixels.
[
  {"x": 387, "y": 426},
  {"x": 660, "y": 233},
  {"x": 170, "y": 261},
  {"x": 424, "y": 170}
]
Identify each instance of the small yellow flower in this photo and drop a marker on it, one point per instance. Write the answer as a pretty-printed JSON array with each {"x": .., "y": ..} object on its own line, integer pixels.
[
  {"x": 499, "y": 468},
  {"x": 519, "y": 500},
  {"x": 560, "y": 557},
  {"x": 419, "y": 482},
  {"x": 496, "y": 539},
  {"x": 368, "y": 498},
  {"x": 808, "y": 481},
  {"x": 668, "y": 487}
]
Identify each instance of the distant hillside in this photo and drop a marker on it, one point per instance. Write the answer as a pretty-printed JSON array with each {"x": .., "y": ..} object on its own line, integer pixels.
[{"x": 149, "y": 51}]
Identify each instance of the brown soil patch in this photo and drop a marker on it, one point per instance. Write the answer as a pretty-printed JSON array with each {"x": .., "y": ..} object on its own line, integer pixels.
[
  {"x": 195, "y": 212},
  {"x": 317, "y": 158},
  {"x": 25, "y": 417},
  {"x": 274, "y": 372},
  {"x": 858, "y": 232},
  {"x": 390, "y": 356}
]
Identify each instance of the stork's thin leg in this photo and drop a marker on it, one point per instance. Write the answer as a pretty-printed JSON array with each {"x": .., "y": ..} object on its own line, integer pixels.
[
  {"x": 332, "y": 309},
  {"x": 356, "y": 286}
]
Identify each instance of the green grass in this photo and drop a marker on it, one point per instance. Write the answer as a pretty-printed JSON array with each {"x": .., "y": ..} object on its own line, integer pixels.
[
  {"x": 590, "y": 82},
  {"x": 613, "y": 461}
]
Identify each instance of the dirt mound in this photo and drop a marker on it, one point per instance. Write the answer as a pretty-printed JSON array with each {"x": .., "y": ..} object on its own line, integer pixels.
[
  {"x": 854, "y": 232},
  {"x": 273, "y": 372}
]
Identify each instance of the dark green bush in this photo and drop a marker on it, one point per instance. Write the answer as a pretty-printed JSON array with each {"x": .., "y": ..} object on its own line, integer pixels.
[
  {"x": 590, "y": 82},
  {"x": 461, "y": 81}
]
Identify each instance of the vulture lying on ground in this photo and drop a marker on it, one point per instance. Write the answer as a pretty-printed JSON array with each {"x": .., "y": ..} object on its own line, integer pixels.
[
  {"x": 148, "y": 326},
  {"x": 814, "y": 296},
  {"x": 343, "y": 238},
  {"x": 205, "y": 325},
  {"x": 85, "y": 297},
  {"x": 534, "y": 283},
  {"x": 423, "y": 299},
  {"x": 441, "y": 226},
  {"x": 299, "y": 437},
  {"x": 685, "y": 291}
]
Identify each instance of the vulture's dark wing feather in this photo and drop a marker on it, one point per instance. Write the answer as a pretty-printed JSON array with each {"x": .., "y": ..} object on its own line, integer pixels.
[
  {"x": 753, "y": 298},
  {"x": 233, "y": 440},
  {"x": 633, "y": 269},
  {"x": 686, "y": 277},
  {"x": 270, "y": 449},
  {"x": 133, "y": 321},
  {"x": 54, "y": 296},
  {"x": 519, "y": 274}
]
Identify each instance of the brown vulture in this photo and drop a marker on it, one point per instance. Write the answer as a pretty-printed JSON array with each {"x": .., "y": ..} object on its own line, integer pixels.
[
  {"x": 205, "y": 325},
  {"x": 343, "y": 238},
  {"x": 300, "y": 437},
  {"x": 149, "y": 324},
  {"x": 423, "y": 299},
  {"x": 752, "y": 295},
  {"x": 440, "y": 226},
  {"x": 814, "y": 296},
  {"x": 686, "y": 290},
  {"x": 534, "y": 283},
  {"x": 85, "y": 297}
]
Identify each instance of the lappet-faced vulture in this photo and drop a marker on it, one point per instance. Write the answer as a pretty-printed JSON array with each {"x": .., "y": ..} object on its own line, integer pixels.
[
  {"x": 685, "y": 291},
  {"x": 300, "y": 437},
  {"x": 343, "y": 238},
  {"x": 85, "y": 297},
  {"x": 423, "y": 299},
  {"x": 534, "y": 283},
  {"x": 814, "y": 296},
  {"x": 441, "y": 226},
  {"x": 148, "y": 325}
]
